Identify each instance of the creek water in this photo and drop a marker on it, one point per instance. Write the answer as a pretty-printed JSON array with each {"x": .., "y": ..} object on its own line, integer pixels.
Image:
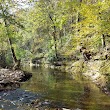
[{"x": 69, "y": 91}]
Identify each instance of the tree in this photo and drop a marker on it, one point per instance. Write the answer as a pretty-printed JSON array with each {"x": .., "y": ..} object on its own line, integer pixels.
[{"x": 11, "y": 25}]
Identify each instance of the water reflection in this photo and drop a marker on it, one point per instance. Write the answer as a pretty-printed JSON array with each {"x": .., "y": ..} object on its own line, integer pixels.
[{"x": 71, "y": 90}]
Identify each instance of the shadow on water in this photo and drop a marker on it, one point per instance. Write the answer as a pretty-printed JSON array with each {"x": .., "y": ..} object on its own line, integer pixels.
[{"x": 55, "y": 89}]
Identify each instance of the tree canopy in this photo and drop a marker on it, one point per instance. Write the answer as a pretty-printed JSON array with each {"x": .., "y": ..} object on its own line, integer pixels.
[{"x": 52, "y": 28}]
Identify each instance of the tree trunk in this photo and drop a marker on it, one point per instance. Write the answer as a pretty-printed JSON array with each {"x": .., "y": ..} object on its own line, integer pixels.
[
  {"x": 60, "y": 37},
  {"x": 16, "y": 62},
  {"x": 103, "y": 41},
  {"x": 76, "y": 28},
  {"x": 54, "y": 37},
  {"x": 12, "y": 50},
  {"x": 55, "y": 42}
]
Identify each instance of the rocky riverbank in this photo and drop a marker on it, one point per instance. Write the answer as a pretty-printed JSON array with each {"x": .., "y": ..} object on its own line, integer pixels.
[
  {"x": 99, "y": 74},
  {"x": 10, "y": 79},
  {"x": 97, "y": 71}
]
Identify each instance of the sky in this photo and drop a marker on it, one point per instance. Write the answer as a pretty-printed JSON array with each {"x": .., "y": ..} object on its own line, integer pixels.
[
  {"x": 23, "y": 3},
  {"x": 20, "y": 4}
]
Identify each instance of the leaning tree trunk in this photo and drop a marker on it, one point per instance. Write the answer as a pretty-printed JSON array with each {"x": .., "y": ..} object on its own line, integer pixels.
[{"x": 15, "y": 60}]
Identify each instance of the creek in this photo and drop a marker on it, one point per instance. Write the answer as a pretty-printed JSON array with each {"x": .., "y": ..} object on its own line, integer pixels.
[{"x": 55, "y": 89}]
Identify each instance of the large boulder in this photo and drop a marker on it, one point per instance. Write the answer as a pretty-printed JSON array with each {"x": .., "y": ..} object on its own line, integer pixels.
[{"x": 11, "y": 79}]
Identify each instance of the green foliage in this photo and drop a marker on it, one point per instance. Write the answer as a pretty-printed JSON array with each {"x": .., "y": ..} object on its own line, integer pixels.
[
  {"x": 54, "y": 26},
  {"x": 9, "y": 59}
]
